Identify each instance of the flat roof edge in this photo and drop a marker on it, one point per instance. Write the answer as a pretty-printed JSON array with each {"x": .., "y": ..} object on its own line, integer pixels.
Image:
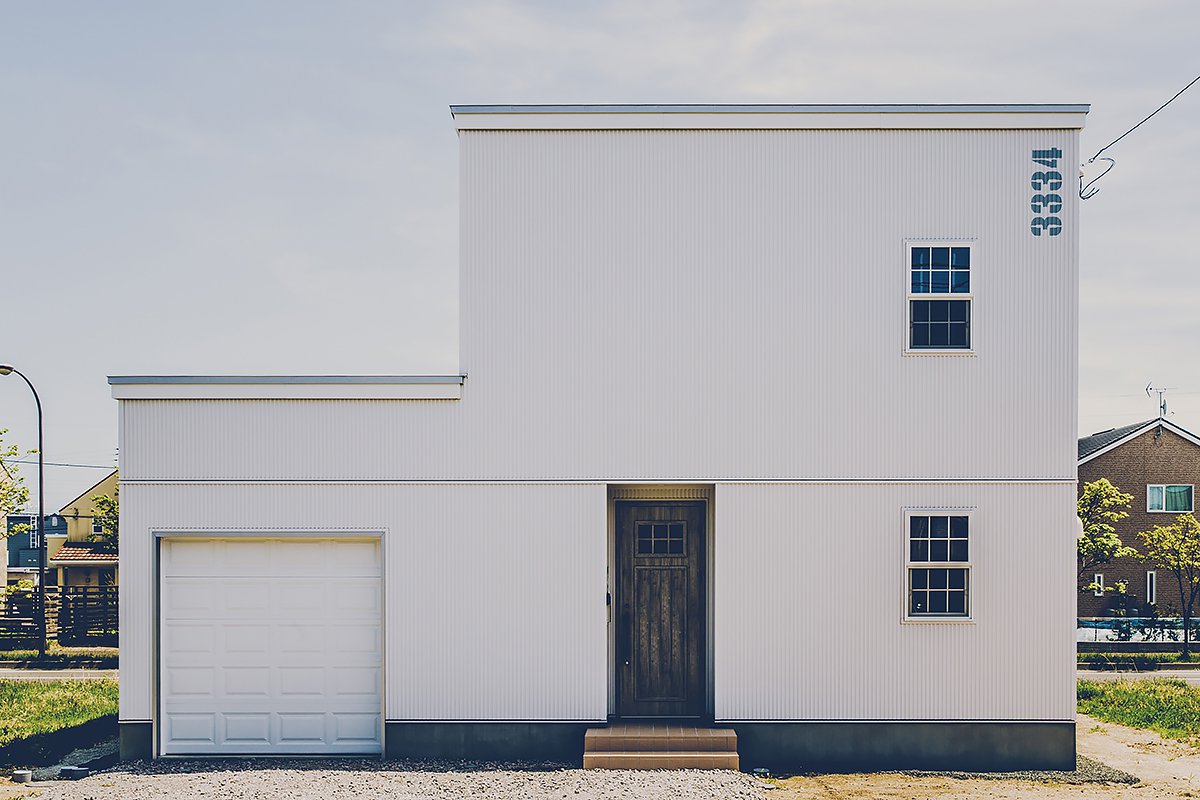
[
  {"x": 779, "y": 108},
  {"x": 245, "y": 380}
]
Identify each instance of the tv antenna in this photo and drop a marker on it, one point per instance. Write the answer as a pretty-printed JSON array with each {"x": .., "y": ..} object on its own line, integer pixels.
[{"x": 1162, "y": 398}]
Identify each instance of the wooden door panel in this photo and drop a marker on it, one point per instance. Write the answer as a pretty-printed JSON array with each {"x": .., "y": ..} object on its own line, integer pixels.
[{"x": 660, "y": 598}]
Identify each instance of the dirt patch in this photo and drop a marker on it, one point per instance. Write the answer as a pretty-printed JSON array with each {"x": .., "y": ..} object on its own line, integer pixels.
[{"x": 1168, "y": 770}]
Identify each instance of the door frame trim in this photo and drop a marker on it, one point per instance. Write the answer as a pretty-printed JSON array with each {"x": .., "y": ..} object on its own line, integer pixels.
[{"x": 701, "y": 492}]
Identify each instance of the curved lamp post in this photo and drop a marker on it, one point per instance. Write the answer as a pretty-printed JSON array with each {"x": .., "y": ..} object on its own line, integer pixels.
[{"x": 7, "y": 369}]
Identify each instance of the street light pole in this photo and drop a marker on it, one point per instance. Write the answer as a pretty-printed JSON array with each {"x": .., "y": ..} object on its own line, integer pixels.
[{"x": 6, "y": 369}]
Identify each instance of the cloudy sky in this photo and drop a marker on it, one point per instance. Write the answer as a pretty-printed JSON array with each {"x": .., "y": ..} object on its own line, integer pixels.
[{"x": 271, "y": 187}]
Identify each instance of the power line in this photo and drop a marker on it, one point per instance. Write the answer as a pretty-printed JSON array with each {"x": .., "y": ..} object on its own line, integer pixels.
[
  {"x": 1083, "y": 190},
  {"x": 62, "y": 464}
]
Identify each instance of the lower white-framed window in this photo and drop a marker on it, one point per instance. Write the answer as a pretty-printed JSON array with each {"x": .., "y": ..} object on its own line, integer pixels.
[
  {"x": 938, "y": 564},
  {"x": 1151, "y": 587},
  {"x": 1098, "y": 584},
  {"x": 1171, "y": 498}
]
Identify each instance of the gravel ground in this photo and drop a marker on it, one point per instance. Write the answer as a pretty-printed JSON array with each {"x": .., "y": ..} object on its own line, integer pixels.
[
  {"x": 1087, "y": 770},
  {"x": 300, "y": 779}
]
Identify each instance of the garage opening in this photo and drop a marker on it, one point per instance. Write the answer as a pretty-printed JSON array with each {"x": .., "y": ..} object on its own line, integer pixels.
[{"x": 270, "y": 646}]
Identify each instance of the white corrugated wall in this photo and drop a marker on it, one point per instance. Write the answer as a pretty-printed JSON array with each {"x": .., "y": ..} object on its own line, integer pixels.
[
  {"x": 495, "y": 594},
  {"x": 810, "y": 595}
]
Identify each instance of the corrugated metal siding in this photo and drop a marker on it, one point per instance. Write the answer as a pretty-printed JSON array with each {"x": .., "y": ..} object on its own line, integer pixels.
[
  {"x": 495, "y": 593},
  {"x": 704, "y": 305},
  {"x": 810, "y": 592}
]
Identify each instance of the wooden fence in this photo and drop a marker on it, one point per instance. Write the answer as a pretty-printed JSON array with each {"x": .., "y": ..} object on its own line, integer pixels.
[{"x": 76, "y": 616}]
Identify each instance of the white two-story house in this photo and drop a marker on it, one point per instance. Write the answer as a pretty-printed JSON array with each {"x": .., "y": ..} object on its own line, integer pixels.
[{"x": 765, "y": 418}]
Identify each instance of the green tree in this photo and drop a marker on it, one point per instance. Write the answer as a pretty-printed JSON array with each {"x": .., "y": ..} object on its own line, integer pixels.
[
  {"x": 1176, "y": 549},
  {"x": 106, "y": 511},
  {"x": 14, "y": 494},
  {"x": 1101, "y": 505}
]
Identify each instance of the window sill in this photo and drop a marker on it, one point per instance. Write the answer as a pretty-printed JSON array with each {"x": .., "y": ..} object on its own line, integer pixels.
[
  {"x": 940, "y": 353},
  {"x": 1164, "y": 511},
  {"x": 933, "y": 620}
]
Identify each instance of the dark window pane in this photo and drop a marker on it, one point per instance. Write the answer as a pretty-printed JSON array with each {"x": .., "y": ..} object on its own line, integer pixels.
[
  {"x": 920, "y": 258},
  {"x": 940, "y": 282},
  {"x": 941, "y": 258},
  {"x": 918, "y": 602},
  {"x": 937, "y": 578},
  {"x": 958, "y": 549},
  {"x": 939, "y": 527},
  {"x": 939, "y": 310},
  {"x": 959, "y": 282},
  {"x": 960, "y": 310},
  {"x": 957, "y": 603},
  {"x": 660, "y": 531},
  {"x": 939, "y": 550},
  {"x": 918, "y": 550},
  {"x": 676, "y": 530},
  {"x": 939, "y": 334},
  {"x": 920, "y": 578},
  {"x": 918, "y": 527},
  {"x": 675, "y": 547},
  {"x": 920, "y": 335},
  {"x": 960, "y": 257},
  {"x": 660, "y": 547},
  {"x": 958, "y": 335},
  {"x": 920, "y": 310},
  {"x": 937, "y": 602},
  {"x": 956, "y": 578},
  {"x": 920, "y": 283},
  {"x": 958, "y": 527}
]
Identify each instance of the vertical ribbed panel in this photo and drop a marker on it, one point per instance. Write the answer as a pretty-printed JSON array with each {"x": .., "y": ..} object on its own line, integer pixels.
[
  {"x": 705, "y": 305},
  {"x": 494, "y": 593},
  {"x": 810, "y": 597}
]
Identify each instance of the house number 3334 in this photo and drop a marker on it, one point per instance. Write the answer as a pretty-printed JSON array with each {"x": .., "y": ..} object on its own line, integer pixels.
[{"x": 1046, "y": 203}]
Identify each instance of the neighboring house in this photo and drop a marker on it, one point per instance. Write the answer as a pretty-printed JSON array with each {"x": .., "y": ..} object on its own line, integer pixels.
[
  {"x": 78, "y": 560},
  {"x": 1157, "y": 462},
  {"x": 23, "y": 546},
  {"x": 768, "y": 425}
]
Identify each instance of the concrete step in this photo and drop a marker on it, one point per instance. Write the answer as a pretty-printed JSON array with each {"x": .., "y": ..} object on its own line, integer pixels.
[{"x": 675, "y": 759}]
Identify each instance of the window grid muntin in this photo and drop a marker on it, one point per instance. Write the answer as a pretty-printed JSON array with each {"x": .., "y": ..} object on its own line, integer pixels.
[
  {"x": 1163, "y": 492},
  {"x": 939, "y": 273},
  {"x": 938, "y": 580},
  {"x": 660, "y": 538}
]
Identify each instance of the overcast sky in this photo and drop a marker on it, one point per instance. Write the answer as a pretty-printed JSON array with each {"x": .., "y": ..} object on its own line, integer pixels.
[{"x": 271, "y": 187}]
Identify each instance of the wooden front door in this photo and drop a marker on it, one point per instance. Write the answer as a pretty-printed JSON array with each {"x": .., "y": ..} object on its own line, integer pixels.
[{"x": 660, "y": 608}]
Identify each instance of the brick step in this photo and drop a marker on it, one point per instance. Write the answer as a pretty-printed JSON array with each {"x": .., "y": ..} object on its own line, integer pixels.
[
  {"x": 676, "y": 759},
  {"x": 659, "y": 738}
]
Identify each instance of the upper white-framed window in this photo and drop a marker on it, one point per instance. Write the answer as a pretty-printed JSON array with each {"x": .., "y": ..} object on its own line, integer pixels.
[
  {"x": 939, "y": 280},
  {"x": 1151, "y": 587},
  {"x": 1098, "y": 585},
  {"x": 937, "y": 569},
  {"x": 1172, "y": 498},
  {"x": 97, "y": 525}
]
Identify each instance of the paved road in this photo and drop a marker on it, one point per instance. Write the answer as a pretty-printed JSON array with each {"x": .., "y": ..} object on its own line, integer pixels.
[
  {"x": 55, "y": 674},
  {"x": 1192, "y": 676}
]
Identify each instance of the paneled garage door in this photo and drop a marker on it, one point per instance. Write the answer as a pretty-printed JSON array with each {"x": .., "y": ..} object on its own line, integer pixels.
[{"x": 270, "y": 646}]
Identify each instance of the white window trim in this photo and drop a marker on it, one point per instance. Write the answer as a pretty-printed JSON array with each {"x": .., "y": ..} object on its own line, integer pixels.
[
  {"x": 1098, "y": 584},
  {"x": 968, "y": 352},
  {"x": 968, "y": 565},
  {"x": 1151, "y": 587},
  {"x": 1164, "y": 486}
]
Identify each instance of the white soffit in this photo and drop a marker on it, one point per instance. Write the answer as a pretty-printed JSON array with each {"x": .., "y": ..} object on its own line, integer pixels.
[
  {"x": 287, "y": 387},
  {"x": 768, "y": 117}
]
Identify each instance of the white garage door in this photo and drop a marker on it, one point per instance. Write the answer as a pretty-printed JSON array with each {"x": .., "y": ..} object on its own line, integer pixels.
[{"x": 271, "y": 646}]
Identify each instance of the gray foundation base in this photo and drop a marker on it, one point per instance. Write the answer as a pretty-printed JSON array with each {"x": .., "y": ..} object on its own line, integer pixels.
[
  {"x": 136, "y": 741},
  {"x": 487, "y": 741},
  {"x": 866, "y": 746}
]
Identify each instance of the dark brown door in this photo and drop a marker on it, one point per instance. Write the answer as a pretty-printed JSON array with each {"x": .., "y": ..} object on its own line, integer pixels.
[{"x": 660, "y": 608}]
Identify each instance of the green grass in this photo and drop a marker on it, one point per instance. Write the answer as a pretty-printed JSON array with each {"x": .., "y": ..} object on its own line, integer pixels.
[
  {"x": 1165, "y": 705},
  {"x": 28, "y": 708},
  {"x": 64, "y": 656},
  {"x": 1129, "y": 660}
]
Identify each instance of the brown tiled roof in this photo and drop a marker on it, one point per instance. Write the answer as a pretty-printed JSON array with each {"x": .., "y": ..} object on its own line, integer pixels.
[{"x": 83, "y": 551}]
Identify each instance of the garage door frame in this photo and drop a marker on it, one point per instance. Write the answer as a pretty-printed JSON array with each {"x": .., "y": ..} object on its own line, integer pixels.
[{"x": 161, "y": 534}]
